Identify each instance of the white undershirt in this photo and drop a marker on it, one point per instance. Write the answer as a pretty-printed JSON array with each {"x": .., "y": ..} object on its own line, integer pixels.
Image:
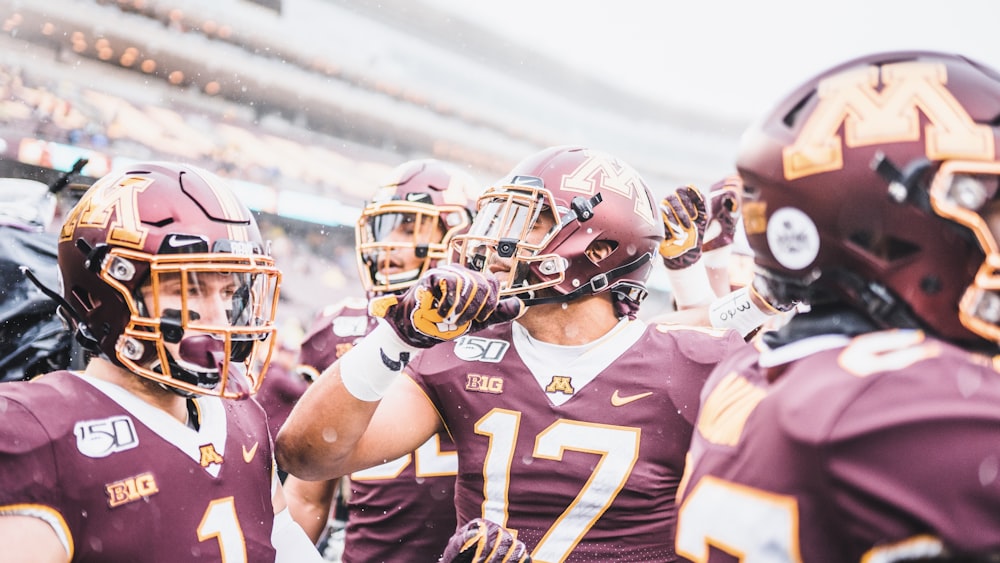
[{"x": 581, "y": 363}]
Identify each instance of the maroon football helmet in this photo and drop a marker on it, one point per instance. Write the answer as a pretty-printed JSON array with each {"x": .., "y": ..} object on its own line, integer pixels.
[
  {"x": 135, "y": 255},
  {"x": 875, "y": 184},
  {"x": 539, "y": 222},
  {"x": 422, "y": 205}
]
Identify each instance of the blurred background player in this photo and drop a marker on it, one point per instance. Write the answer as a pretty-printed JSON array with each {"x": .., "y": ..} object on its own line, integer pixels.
[
  {"x": 402, "y": 510},
  {"x": 150, "y": 453},
  {"x": 698, "y": 243},
  {"x": 723, "y": 206},
  {"x": 33, "y": 339},
  {"x": 571, "y": 422},
  {"x": 865, "y": 429},
  {"x": 707, "y": 286}
]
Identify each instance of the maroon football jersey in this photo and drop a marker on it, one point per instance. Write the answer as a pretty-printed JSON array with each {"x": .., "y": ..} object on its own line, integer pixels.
[
  {"x": 867, "y": 449},
  {"x": 580, "y": 470},
  {"x": 403, "y": 510},
  {"x": 334, "y": 331},
  {"x": 120, "y": 480}
]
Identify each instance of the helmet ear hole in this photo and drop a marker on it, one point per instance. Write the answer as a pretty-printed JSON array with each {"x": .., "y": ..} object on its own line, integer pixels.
[{"x": 600, "y": 249}]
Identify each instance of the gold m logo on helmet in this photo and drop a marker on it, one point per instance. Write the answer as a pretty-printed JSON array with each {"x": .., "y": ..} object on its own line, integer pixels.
[
  {"x": 114, "y": 200},
  {"x": 602, "y": 172},
  {"x": 892, "y": 115}
]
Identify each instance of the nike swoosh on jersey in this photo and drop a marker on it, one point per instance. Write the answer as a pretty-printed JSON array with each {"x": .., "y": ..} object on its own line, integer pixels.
[
  {"x": 248, "y": 454},
  {"x": 618, "y": 401}
]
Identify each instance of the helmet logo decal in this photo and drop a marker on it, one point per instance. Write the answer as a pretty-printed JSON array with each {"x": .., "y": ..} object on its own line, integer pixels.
[
  {"x": 602, "y": 172},
  {"x": 109, "y": 200},
  {"x": 754, "y": 217},
  {"x": 870, "y": 116},
  {"x": 793, "y": 238}
]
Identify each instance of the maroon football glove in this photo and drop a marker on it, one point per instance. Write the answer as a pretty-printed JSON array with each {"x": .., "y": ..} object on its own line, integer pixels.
[
  {"x": 684, "y": 219},
  {"x": 444, "y": 304},
  {"x": 483, "y": 541},
  {"x": 724, "y": 212}
]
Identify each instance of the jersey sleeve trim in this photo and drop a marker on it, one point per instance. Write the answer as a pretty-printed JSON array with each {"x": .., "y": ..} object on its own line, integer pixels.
[{"x": 47, "y": 514}]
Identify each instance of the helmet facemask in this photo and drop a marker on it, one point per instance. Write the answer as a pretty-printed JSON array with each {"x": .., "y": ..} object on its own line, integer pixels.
[
  {"x": 966, "y": 193},
  {"x": 200, "y": 323},
  {"x": 512, "y": 229},
  {"x": 397, "y": 241}
]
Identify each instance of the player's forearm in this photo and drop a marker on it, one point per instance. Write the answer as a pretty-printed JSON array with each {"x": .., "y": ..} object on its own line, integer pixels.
[
  {"x": 320, "y": 435},
  {"x": 310, "y": 502}
]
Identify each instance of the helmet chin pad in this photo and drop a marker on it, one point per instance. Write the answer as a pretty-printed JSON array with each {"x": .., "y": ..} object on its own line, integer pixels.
[
  {"x": 204, "y": 352},
  {"x": 200, "y": 360}
]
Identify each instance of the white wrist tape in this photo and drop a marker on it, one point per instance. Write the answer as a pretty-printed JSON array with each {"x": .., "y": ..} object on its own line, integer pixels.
[
  {"x": 691, "y": 286},
  {"x": 738, "y": 311},
  {"x": 368, "y": 369}
]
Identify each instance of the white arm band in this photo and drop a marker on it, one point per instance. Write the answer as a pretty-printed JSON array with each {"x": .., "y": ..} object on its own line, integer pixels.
[
  {"x": 738, "y": 311},
  {"x": 368, "y": 369},
  {"x": 290, "y": 542},
  {"x": 691, "y": 286}
]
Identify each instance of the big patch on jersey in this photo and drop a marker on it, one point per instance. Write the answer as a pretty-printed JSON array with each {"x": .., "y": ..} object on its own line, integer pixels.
[
  {"x": 484, "y": 383},
  {"x": 131, "y": 489}
]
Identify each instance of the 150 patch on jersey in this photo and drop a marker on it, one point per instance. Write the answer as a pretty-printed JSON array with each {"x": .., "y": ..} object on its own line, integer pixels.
[
  {"x": 103, "y": 437},
  {"x": 479, "y": 349}
]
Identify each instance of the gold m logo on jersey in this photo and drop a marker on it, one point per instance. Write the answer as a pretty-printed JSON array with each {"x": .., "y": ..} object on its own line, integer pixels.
[
  {"x": 603, "y": 173},
  {"x": 560, "y": 384},
  {"x": 891, "y": 115},
  {"x": 107, "y": 202},
  {"x": 209, "y": 455}
]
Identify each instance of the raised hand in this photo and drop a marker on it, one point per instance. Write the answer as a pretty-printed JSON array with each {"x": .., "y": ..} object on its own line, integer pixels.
[
  {"x": 724, "y": 212},
  {"x": 684, "y": 219},
  {"x": 445, "y": 303},
  {"x": 484, "y": 541}
]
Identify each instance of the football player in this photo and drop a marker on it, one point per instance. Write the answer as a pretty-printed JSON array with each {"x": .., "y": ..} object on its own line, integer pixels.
[
  {"x": 699, "y": 240},
  {"x": 697, "y": 253},
  {"x": 571, "y": 418},
  {"x": 864, "y": 429},
  {"x": 401, "y": 510},
  {"x": 150, "y": 454}
]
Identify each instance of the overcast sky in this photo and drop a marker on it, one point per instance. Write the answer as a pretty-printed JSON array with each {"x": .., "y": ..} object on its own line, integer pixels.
[{"x": 736, "y": 56}]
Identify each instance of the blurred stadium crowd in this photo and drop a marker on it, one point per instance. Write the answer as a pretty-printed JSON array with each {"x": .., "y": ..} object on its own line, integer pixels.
[
  {"x": 49, "y": 124},
  {"x": 305, "y": 105}
]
